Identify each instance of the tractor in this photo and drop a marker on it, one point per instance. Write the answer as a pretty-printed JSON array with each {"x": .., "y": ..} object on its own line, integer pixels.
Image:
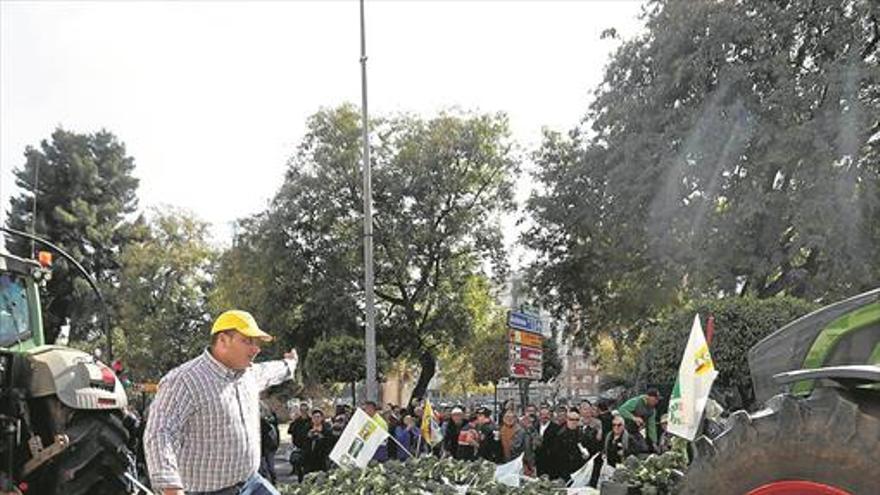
[
  {"x": 63, "y": 413},
  {"x": 818, "y": 430}
]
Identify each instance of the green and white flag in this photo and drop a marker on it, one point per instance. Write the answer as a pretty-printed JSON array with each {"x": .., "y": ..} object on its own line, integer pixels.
[
  {"x": 695, "y": 376},
  {"x": 358, "y": 442}
]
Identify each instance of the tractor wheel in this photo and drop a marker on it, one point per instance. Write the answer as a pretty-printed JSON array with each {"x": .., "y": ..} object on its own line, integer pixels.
[
  {"x": 827, "y": 444},
  {"x": 96, "y": 459}
]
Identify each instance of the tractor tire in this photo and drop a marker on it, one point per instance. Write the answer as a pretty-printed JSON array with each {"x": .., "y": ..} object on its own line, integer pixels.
[
  {"x": 831, "y": 438},
  {"x": 96, "y": 460}
]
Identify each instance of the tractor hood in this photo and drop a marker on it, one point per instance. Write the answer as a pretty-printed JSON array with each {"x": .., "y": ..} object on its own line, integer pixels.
[
  {"x": 78, "y": 379},
  {"x": 843, "y": 333}
]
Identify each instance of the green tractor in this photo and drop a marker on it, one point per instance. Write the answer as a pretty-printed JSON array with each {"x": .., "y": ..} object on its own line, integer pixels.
[
  {"x": 818, "y": 432},
  {"x": 63, "y": 419}
]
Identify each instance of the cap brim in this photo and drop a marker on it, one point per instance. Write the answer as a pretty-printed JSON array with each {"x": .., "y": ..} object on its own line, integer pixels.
[{"x": 256, "y": 333}]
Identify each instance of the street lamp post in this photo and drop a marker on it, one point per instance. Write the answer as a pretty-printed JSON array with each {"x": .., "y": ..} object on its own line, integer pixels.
[{"x": 370, "y": 309}]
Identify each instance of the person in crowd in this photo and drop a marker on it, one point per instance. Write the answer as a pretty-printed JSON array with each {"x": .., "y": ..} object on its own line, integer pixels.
[
  {"x": 569, "y": 447},
  {"x": 547, "y": 429},
  {"x": 618, "y": 443},
  {"x": 603, "y": 410},
  {"x": 270, "y": 439},
  {"x": 489, "y": 440},
  {"x": 529, "y": 423},
  {"x": 451, "y": 429},
  {"x": 512, "y": 437},
  {"x": 468, "y": 441},
  {"x": 408, "y": 435},
  {"x": 371, "y": 409},
  {"x": 561, "y": 415},
  {"x": 639, "y": 414},
  {"x": 392, "y": 421},
  {"x": 531, "y": 410},
  {"x": 664, "y": 443},
  {"x": 190, "y": 446},
  {"x": 299, "y": 431},
  {"x": 592, "y": 427},
  {"x": 319, "y": 443}
]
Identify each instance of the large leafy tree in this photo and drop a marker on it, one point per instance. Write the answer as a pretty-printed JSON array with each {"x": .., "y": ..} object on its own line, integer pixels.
[
  {"x": 740, "y": 322},
  {"x": 163, "y": 294},
  {"x": 439, "y": 186},
  {"x": 85, "y": 199},
  {"x": 733, "y": 149}
]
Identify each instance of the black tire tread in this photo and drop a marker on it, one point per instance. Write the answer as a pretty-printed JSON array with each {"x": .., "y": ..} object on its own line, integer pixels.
[{"x": 825, "y": 438}]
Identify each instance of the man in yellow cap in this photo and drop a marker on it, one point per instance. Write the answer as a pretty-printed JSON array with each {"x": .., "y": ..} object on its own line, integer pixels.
[{"x": 203, "y": 431}]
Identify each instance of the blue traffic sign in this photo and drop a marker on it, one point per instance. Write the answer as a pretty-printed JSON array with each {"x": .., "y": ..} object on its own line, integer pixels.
[{"x": 524, "y": 321}]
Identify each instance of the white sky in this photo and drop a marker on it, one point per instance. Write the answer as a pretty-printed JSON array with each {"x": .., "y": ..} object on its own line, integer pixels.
[{"x": 211, "y": 98}]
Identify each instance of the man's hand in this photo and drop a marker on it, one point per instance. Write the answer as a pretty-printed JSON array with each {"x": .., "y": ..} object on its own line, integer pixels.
[
  {"x": 173, "y": 491},
  {"x": 639, "y": 421}
]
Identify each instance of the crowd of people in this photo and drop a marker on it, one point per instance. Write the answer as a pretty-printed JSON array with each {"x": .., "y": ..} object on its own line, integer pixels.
[{"x": 554, "y": 441}]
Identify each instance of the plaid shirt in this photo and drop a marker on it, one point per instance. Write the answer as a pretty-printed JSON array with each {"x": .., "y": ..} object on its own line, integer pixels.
[{"x": 203, "y": 431}]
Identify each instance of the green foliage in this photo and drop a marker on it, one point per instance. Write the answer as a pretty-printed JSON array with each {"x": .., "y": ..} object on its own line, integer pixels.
[
  {"x": 163, "y": 289},
  {"x": 658, "y": 474},
  {"x": 340, "y": 359},
  {"x": 551, "y": 365},
  {"x": 740, "y": 322},
  {"x": 732, "y": 148},
  {"x": 85, "y": 196},
  {"x": 491, "y": 360},
  {"x": 417, "y": 476},
  {"x": 439, "y": 186}
]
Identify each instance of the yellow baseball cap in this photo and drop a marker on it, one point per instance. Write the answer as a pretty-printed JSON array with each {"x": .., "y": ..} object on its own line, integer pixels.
[{"x": 240, "y": 321}]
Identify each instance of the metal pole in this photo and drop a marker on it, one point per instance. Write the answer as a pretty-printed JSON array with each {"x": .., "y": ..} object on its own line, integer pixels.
[
  {"x": 372, "y": 386},
  {"x": 34, "y": 211}
]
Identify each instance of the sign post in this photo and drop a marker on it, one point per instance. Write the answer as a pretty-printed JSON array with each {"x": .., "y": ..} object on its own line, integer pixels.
[{"x": 524, "y": 344}]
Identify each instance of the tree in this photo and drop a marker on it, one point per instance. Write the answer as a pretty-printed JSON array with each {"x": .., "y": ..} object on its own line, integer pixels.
[
  {"x": 163, "y": 294},
  {"x": 551, "y": 364},
  {"x": 332, "y": 361},
  {"x": 731, "y": 149},
  {"x": 439, "y": 186},
  {"x": 740, "y": 322},
  {"x": 85, "y": 196}
]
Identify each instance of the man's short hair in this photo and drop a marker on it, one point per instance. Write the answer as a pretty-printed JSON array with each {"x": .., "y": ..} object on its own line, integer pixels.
[
  {"x": 317, "y": 411},
  {"x": 370, "y": 403},
  {"x": 653, "y": 392},
  {"x": 483, "y": 411}
]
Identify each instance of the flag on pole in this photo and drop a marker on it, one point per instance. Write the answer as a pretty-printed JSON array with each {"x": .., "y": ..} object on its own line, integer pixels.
[
  {"x": 581, "y": 477},
  {"x": 358, "y": 442},
  {"x": 695, "y": 376},
  {"x": 430, "y": 429}
]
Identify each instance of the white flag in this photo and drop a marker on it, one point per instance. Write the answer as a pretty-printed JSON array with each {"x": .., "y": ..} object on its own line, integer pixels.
[
  {"x": 581, "y": 477},
  {"x": 695, "y": 376},
  {"x": 358, "y": 442},
  {"x": 509, "y": 473}
]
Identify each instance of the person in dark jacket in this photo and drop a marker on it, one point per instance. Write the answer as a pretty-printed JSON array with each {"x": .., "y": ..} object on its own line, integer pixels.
[
  {"x": 547, "y": 429},
  {"x": 453, "y": 427},
  {"x": 489, "y": 437},
  {"x": 567, "y": 452},
  {"x": 319, "y": 443},
  {"x": 618, "y": 444},
  {"x": 269, "y": 442},
  {"x": 298, "y": 431}
]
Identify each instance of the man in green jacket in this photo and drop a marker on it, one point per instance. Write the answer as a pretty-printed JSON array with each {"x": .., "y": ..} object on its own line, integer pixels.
[{"x": 641, "y": 410}]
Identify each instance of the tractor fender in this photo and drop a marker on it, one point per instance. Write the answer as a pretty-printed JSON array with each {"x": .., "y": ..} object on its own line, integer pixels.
[{"x": 78, "y": 379}]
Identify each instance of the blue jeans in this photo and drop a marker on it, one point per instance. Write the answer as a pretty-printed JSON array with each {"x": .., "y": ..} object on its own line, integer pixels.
[{"x": 255, "y": 485}]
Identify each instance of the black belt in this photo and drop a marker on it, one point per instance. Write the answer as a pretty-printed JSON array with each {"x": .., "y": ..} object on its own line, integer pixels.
[{"x": 229, "y": 490}]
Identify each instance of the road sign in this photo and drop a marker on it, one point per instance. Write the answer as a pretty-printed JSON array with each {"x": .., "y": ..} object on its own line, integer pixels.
[
  {"x": 518, "y": 351},
  {"x": 521, "y": 370},
  {"x": 524, "y": 338},
  {"x": 527, "y": 322}
]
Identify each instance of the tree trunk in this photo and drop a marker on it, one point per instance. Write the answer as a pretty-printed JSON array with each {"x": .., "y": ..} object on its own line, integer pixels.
[
  {"x": 354, "y": 403},
  {"x": 429, "y": 367}
]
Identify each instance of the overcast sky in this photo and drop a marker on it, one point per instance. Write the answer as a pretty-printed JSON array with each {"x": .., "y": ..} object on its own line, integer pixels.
[{"x": 211, "y": 98}]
